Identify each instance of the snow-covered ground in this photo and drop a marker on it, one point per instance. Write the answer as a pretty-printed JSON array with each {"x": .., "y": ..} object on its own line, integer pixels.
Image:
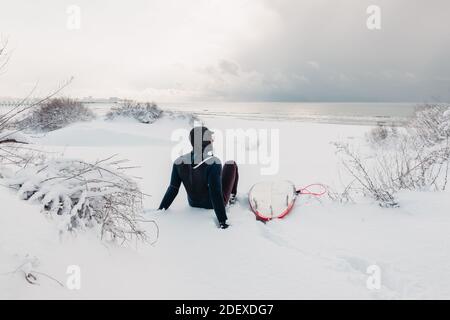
[{"x": 321, "y": 250}]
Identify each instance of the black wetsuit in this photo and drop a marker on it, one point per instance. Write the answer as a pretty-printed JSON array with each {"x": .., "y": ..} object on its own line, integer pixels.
[{"x": 203, "y": 184}]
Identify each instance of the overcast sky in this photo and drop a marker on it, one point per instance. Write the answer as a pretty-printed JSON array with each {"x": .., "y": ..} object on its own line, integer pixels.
[{"x": 232, "y": 50}]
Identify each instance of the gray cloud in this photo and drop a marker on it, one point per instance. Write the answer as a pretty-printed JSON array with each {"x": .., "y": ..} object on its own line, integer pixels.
[{"x": 231, "y": 50}]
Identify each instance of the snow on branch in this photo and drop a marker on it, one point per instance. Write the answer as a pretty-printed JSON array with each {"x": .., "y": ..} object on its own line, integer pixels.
[
  {"x": 85, "y": 195},
  {"x": 418, "y": 158},
  {"x": 147, "y": 112},
  {"x": 53, "y": 114},
  {"x": 142, "y": 112}
]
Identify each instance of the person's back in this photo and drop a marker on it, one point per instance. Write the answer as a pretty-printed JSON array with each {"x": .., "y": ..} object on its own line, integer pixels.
[{"x": 201, "y": 174}]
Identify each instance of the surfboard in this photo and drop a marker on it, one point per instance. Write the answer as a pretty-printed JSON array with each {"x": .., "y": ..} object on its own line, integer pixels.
[{"x": 272, "y": 199}]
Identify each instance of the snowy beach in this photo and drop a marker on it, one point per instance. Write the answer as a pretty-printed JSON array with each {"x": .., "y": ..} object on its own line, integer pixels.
[
  {"x": 217, "y": 157},
  {"x": 322, "y": 249}
]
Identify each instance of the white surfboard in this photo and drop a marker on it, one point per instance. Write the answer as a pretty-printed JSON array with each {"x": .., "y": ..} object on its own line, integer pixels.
[{"x": 272, "y": 199}]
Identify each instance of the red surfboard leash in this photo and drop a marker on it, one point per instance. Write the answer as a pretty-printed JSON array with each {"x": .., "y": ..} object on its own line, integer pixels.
[{"x": 306, "y": 190}]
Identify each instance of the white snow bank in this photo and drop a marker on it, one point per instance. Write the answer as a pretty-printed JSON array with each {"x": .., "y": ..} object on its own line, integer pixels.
[
  {"x": 124, "y": 132},
  {"x": 321, "y": 250}
]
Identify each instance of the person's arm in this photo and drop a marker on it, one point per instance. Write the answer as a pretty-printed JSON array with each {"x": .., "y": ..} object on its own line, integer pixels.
[
  {"x": 215, "y": 192},
  {"x": 172, "y": 190}
]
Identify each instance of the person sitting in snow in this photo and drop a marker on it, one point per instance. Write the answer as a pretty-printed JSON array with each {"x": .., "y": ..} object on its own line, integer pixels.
[{"x": 207, "y": 185}]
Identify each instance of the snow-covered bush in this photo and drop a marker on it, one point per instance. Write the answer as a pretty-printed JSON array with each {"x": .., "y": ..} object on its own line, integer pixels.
[
  {"x": 147, "y": 112},
  {"x": 82, "y": 194},
  {"x": 370, "y": 182},
  {"x": 14, "y": 145},
  {"x": 414, "y": 160},
  {"x": 16, "y": 150},
  {"x": 381, "y": 133},
  {"x": 143, "y": 112},
  {"x": 55, "y": 114},
  {"x": 431, "y": 123},
  {"x": 85, "y": 195}
]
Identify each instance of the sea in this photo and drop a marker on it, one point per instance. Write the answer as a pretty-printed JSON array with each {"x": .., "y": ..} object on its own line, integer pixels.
[
  {"x": 395, "y": 114},
  {"x": 360, "y": 113}
]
